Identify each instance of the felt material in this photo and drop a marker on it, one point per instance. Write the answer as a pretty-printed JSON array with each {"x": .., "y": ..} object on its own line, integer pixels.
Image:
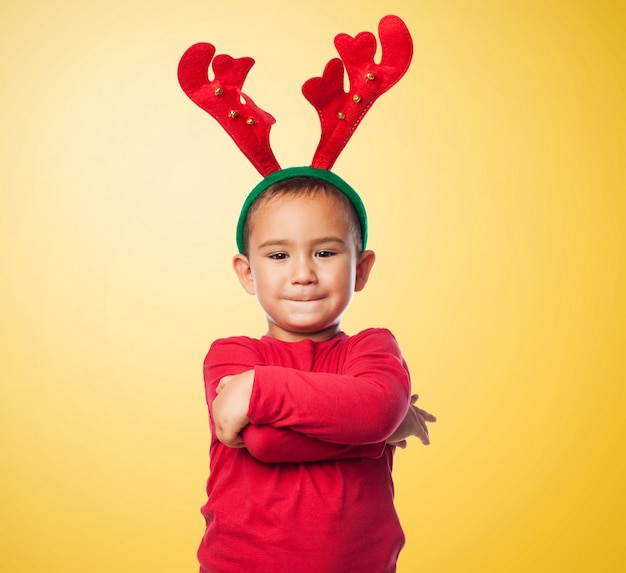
[
  {"x": 340, "y": 113},
  {"x": 292, "y": 172},
  {"x": 222, "y": 98}
]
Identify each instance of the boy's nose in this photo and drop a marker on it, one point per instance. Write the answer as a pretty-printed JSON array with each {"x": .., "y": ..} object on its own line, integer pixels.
[{"x": 302, "y": 271}]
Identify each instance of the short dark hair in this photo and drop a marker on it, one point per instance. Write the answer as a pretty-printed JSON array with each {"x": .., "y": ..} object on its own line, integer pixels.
[{"x": 304, "y": 187}]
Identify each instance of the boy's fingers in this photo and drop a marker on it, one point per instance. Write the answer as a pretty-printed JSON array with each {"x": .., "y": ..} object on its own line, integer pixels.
[
  {"x": 423, "y": 437},
  {"x": 229, "y": 438},
  {"x": 223, "y": 383},
  {"x": 422, "y": 432},
  {"x": 426, "y": 415}
]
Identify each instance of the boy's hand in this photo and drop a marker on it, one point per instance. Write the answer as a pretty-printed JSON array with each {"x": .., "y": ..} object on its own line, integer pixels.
[
  {"x": 230, "y": 407},
  {"x": 414, "y": 424}
]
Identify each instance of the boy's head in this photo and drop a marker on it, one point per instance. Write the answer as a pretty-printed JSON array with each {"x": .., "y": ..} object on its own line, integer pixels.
[{"x": 303, "y": 257}]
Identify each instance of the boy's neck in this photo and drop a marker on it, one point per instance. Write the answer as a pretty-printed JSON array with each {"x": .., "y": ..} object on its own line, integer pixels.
[{"x": 286, "y": 336}]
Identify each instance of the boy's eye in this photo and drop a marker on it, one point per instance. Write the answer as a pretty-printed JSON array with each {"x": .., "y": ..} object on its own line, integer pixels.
[
  {"x": 324, "y": 254},
  {"x": 278, "y": 256}
]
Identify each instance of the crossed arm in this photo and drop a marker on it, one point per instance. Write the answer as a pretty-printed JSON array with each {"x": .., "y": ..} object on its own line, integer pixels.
[
  {"x": 282, "y": 414},
  {"x": 230, "y": 414}
]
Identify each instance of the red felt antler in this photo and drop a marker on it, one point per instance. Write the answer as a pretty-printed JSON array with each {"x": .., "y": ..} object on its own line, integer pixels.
[
  {"x": 340, "y": 112},
  {"x": 243, "y": 120}
]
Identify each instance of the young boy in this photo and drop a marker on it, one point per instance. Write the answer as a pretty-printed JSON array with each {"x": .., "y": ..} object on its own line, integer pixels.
[{"x": 305, "y": 420}]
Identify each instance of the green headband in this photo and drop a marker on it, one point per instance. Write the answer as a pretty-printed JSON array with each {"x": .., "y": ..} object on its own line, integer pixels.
[{"x": 290, "y": 173}]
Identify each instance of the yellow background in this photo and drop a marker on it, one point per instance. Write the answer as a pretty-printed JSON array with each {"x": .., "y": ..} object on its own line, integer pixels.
[{"x": 494, "y": 175}]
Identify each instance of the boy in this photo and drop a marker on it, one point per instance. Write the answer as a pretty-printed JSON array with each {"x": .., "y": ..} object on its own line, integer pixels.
[{"x": 304, "y": 420}]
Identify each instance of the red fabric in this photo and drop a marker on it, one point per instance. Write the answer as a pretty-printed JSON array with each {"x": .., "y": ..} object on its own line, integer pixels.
[
  {"x": 312, "y": 492},
  {"x": 241, "y": 118},
  {"x": 339, "y": 113},
  {"x": 249, "y": 126}
]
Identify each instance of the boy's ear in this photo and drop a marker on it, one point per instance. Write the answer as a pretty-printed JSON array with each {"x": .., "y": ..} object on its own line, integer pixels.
[
  {"x": 241, "y": 264},
  {"x": 363, "y": 268}
]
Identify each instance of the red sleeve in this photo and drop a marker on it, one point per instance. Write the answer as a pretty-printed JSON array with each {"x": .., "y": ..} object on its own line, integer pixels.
[
  {"x": 362, "y": 405},
  {"x": 231, "y": 356},
  {"x": 282, "y": 445},
  {"x": 228, "y": 357}
]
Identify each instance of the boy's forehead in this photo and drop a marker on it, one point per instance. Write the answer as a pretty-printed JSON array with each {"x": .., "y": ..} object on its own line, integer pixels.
[
  {"x": 295, "y": 214},
  {"x": 309, "y": 205}
]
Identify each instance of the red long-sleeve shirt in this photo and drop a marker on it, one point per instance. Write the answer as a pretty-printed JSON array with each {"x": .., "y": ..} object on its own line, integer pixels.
[{"x": 312, "y": 491}]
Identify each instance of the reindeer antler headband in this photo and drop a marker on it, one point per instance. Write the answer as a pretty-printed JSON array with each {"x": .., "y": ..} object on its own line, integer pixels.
[{"x": 340, "y": 113}]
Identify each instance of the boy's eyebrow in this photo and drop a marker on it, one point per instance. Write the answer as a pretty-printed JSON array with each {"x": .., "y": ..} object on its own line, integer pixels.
[
  {"x": 273, "y": 243},
  {"x": 283, "y": 242},
  {"x": 330, "y": 240}
]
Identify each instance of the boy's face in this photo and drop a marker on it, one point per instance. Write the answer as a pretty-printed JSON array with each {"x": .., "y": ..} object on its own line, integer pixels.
[{"x": 303, "y": 266}]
